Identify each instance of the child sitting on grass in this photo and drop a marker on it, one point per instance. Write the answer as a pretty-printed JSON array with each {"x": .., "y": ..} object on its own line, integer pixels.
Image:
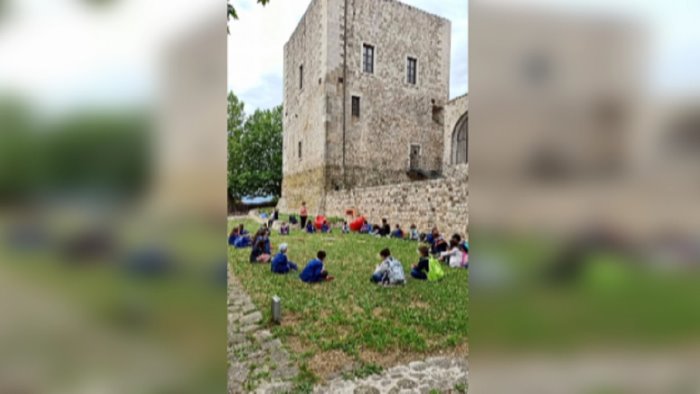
[
  {"x": 325, "y": 227},
  {"x": 345, "y": 229},
  {"x": 233, "y": 236},
  {"x": 310, "y": 228},
  {"x": 385, "y": 230},
  {"x": 437, "y": 242},
  {"x": 366, "y": 228},
  {"x": 420, "y": 270},
  {"x": 389, "y": 271},
  {"x": 284, "y": 229},
  {"x": 398, "y": 232},
  {"x": 315, "y": 271},
  {"x": 281, "y": 264},
  {"x": 414, "y": 234},
  {"x": 257, "y": 254},
  {"x": 454, "y": 256}
]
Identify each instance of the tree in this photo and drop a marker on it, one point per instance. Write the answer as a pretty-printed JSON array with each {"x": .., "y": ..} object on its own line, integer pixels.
[{"x": 254, "y": 150}]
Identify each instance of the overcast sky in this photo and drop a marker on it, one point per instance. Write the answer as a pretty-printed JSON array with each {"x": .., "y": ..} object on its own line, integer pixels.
[
  {"x": 62, "y": 54},
  {"x": 255, "y": 47}
]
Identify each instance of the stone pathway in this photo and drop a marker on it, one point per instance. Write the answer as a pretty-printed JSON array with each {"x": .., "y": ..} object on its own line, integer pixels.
[
  {"x": 435, "y": 374},
  {"x": 257, "y": 361}
]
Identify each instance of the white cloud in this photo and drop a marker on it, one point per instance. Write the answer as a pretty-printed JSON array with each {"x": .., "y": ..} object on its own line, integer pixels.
[{"x": 66, "y": 53}]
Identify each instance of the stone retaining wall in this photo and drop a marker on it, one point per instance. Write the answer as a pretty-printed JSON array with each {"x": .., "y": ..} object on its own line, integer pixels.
[{"x": 441, "y": 202}]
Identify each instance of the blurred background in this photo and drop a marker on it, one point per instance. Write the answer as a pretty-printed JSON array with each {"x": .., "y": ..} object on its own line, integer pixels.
[
  {"x": 112, "y": 204},
  {"x": 585, "y": 148},
  {"x": 584, "y": 183}
]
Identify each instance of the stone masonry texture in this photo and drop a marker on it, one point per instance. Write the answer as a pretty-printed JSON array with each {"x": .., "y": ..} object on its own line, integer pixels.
[
  {"x": 326, "y": 148},
  {"x": 334, "y": 160},
  {"x": 442, "y": 202}
]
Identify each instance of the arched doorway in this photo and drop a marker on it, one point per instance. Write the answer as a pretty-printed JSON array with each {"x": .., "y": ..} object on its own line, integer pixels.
[{"x": 460, "y": 141}]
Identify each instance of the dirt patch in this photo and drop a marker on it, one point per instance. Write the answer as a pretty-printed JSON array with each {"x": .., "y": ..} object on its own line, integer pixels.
[
  {"x": 290, "y": 319},
  {"x": 387, "y": 359},
  {"x": 324, "y": 364},
  {"x": 355, "y": 310},
  {"x": 296, "y": 345},
  {"x": 377, "y": 312},
  {"x": 420, "y": 305}
]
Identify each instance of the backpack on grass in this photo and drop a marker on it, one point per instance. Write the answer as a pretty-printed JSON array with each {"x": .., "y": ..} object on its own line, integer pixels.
[{"x": 435, "y": 271}]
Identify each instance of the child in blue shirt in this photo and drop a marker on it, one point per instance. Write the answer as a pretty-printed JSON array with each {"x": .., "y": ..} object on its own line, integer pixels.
[
  {"x": 414, "y": 234},
  {"x": 310, "y": 228},
  {"x": 366, "y": 228},
  {"x": 397, "y": 233},
  {"x": 314, "y": 271},
  {"x": 325, "y": 227},
  {"x": 281, "y": 264}
]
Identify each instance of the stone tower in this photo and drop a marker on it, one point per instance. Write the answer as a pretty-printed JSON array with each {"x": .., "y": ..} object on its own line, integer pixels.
[{"x": 365, "y": 85}]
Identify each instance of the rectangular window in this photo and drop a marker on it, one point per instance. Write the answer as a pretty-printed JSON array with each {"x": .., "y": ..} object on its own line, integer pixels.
[
  {"x": 368, "y": 58},
  {"x": 411, "y": 71},
  {"x": 355, "y": 106},
  {"x": 299, "y": 150},
  {"x": 301, "y": 77}
]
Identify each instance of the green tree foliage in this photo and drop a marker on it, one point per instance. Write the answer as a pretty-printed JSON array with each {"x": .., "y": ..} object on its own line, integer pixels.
[
  {"x": 83, "y": 152},
  {"x": 254, "y": 151}
]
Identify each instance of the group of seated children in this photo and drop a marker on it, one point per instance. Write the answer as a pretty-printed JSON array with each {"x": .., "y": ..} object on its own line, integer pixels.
[
  {"x": 384, "y": 230},
  {"x": 238, "y": 237},
  {"x": 457, "y": 254},
  {"x": 314, "y": 271},
  {"x": 325, "y": 227}
]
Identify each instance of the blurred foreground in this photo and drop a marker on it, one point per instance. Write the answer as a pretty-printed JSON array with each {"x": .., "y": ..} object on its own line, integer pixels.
[
  {"x": 583, "y": 200},
  {"x": 112, "y": 209}
]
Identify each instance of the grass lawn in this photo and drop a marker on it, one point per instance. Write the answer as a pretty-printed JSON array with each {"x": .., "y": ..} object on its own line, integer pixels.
[
  {"x": 351, "y": 321},
  {"x": 617, "y": 301},
  {"x": 177, "y": 312}
]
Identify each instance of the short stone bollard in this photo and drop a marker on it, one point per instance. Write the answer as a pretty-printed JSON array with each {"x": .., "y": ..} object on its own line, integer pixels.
[{"x": 276, "y": 310}]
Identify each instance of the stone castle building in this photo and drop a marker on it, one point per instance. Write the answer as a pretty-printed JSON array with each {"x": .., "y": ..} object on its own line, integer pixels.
[{"x": 366, "y": 104}]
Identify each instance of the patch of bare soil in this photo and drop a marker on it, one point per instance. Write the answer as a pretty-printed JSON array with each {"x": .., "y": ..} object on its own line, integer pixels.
[
  {"x": 387, "y": 359},
  {"x": 324, "y": 364}
]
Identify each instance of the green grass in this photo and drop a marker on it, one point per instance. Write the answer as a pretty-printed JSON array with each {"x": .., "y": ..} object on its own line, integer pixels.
[
  {"x": 178, "y": 312},
  {"x": 364, "y": 321},
  {"x": 616, "y": 302}
]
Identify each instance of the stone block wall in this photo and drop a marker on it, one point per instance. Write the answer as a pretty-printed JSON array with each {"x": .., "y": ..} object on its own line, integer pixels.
[
  {"x": 441, "y": 202},
  {"x": 454, "y": 110},
  {"x": 393, "y": 113},
  {"x": 304, "y": 109},
  {"x": 341, "y": 151}
]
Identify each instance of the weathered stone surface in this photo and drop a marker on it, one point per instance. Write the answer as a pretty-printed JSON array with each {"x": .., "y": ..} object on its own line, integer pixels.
[
  {"x": 328, "y": 148},
  {"x": 441, "y": 202},
  {"x": 256, "y": 359},
  {"x": 406, "y": 384},
  {"x": 438, "y": 373},
  {"x": 252, "y": 318},
  {"x": 366, "y": 390}
]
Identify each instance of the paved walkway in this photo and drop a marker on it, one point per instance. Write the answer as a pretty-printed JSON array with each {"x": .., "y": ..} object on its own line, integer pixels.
[
  {"x": 257, "y": 361},
  {"x": 436, "y": 374}
]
